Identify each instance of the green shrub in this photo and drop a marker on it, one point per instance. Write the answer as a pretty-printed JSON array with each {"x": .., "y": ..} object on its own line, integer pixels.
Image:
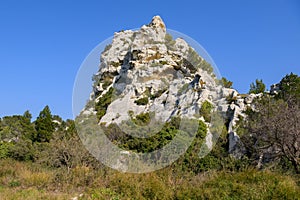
[
  {"x": 157, "y": 94},
  {"x": 250, "y": 184},
  {"x": 22, "y": 150},
  {"x": 170, "y": 43},
  {"x": 183, "y": 89},
  {"x": 194, "y": 58},
  {"x": 142, "y": 101},
  {"x": 226, "y": 83},
  {"x": 257, "y": 87},
  {"x": 4, "y": 149},
  {"x": 205, "y": 110},
  {"x": 14, "y": 183},
  {"x": 142, "y": 119},
  {"x": 103, "y": 103},
  {"x": 163, "y": 62}
]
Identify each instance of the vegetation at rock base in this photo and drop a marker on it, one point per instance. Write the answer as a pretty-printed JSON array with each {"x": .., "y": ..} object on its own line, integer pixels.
[
  {"x": 23, "y": 180},
  {"x": 272, "y": 129},
  {"x": 45, "y": 158}
]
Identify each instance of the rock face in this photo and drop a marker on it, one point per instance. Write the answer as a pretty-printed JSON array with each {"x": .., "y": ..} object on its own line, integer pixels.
[
  {"x": 146, "y": 71},
  {"x": 236, "y": 147},
  {"x": 145, "y": 65}
]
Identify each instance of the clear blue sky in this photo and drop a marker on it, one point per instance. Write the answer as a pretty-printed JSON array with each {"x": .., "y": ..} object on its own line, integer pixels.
[{"x": 43, "y": 43}]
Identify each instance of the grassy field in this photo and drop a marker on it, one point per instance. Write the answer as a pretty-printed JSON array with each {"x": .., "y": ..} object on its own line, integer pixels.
[{"x": 24, "y": 180}]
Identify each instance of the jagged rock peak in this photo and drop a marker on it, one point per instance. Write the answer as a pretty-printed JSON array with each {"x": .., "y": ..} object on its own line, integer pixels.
[
  {"x": 153, "y": 73},
  {"x": 157, "y": 22}
]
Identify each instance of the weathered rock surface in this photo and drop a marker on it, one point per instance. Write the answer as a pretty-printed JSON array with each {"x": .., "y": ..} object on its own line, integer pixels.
[{"x": 152, "y": 73}]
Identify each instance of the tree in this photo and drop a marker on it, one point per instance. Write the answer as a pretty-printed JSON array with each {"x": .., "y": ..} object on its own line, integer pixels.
[
  {"x": 273, "y": 130},
  {"x": 28, "y": 127},
  {"x": 257, "y": 87},
  {"x": 290, "y": 88},
  {"x": 27, "y": 115},
  {"x": 44, "y": 125},
  {"x": 226, "y": 83},
  {"x": 16, "y": 126}
]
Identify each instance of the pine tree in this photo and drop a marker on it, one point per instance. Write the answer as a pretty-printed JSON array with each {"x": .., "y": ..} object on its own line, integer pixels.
[
  {"x": 290, "y": 88},
  {"x": 257, "y": 87},
  {"x": 44, "y": 125},
  {"x": 28, "y": 127}
]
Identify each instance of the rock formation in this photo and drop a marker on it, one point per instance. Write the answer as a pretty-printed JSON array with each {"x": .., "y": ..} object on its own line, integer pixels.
[{"x": 147, "y": 71}]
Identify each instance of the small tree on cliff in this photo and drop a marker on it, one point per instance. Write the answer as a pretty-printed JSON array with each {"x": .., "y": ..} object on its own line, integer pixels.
[{"x": 257, "y": 87}]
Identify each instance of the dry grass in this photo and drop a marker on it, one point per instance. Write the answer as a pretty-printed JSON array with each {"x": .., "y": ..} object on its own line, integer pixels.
[{"x": 20, "y": 180}]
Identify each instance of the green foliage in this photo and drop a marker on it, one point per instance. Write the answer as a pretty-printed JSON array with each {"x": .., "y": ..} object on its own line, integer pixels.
[
  {"x": 143, "y": 145},
  {"x": 273, "y": 125},
  {"x": 142, "y": 119},
  {"x": 22, "y": 150},
  {"x": 243, "y": 185},
  {"x": 226, "y": 83},
  {"x": 14, "y": 183},
  {"x": 157, "y": 94},
  {"x": 4, "y": 149},
  {"x": 16, "y": 126},
  {"x": 21, "y": 180},
  {"x": 103, "y": 103},
  {"x": 183, "y": 89},
  {"x": 170, "y": 43},
  {"x": 107, "y": 47},
  {"x": 19, "y": 133},
  {"x": 230, "y": 98},
  {"x": 65, "y": 151},
  {"x": 257, "y": 87},
  {"x": 27, "y": 115},
  {"x": 163, "y": 62},
  {"x": 191, "y": 161},
  {"x": 115, "y": 64},
  {"x": 205, "y": 110},
  {"x": 142, "y": 101},
  {"x": 44, "y": 125},
  {"x": 290, "y": 87},
  {"x": 215, "y": 176},
  {"x": 60, "y": 162},
  {"x": 206, "y": 66},
  {"x": 198, "y": 62}
]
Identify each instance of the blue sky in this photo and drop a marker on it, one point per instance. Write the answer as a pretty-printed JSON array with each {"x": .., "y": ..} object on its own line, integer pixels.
[{"x": 43, "y": 43}]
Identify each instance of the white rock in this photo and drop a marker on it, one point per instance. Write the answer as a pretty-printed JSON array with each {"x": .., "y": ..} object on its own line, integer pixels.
[{"x": 146, "y": 67}]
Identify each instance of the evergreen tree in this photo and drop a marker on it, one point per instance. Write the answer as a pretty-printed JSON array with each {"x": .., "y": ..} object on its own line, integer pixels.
[
  {"x": 44, "y": 125},
  {"x": 27, "y": 115},
  {"x": 290, "y": 88},
  {"x": 28, "y": 127},
  {"x": 226, "y": 83},
  {"x": 257, "y": 87}
]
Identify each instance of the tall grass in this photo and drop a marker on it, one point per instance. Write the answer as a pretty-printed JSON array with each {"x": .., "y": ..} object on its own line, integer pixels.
[{"x": 21, "y": 180}]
